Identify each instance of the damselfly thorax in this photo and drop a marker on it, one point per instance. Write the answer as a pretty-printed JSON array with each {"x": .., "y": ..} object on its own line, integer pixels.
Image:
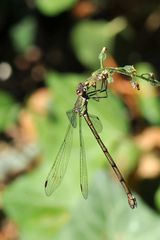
[{"x": 97, "y": 85}]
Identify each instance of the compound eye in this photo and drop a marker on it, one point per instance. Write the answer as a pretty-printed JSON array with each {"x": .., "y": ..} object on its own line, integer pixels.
[{"x": 84, "y": 88}]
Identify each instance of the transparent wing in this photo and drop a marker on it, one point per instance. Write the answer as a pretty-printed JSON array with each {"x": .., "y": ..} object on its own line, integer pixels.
[
  {"x": 72, "y": 118},
  {"x": 96, "y": 122},
  {"x": 59, "y": 167},
  {"x": 83, "y": 165}
]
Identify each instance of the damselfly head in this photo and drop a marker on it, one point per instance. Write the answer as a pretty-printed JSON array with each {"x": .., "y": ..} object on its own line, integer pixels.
[{"x": 81, "y": 90}]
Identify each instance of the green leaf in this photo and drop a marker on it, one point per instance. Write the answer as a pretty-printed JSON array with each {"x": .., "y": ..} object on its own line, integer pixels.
[
  {"x": 54, "y": 7},
  {"x": 23, "y": 34},
  {"x": 113, "y": 115},
  {"x": 25, "y": 202},
  {"x": 127, "y": 154},
  {"x": 111, "y": 111},
  {"x": 89, "y": 36},
  {"x": 37, "y": 216},
  {"x": 150, "y": 108},
  {"x": 148, "y": 98},
  {"x": 157, "y": 198},
  {"x": 40, "y": 217},
  {"x": 9, "y": 110},
  {"x": 106, "y": 215}
]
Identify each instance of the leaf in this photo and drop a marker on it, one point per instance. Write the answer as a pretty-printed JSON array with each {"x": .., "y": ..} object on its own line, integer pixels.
[
  {"x": 150, "y": 108},
  {"x": 127, "y": 154},
  {"x": 25, "y": 202},
  {"x": 148, "y": 98},
  {"x": 54, "y": 7},
  {"x": 157, "y": 198},
  {"x": 112, "y": 114},
  {"x": 106, "y": 215},
  {"x": 89, "y": 36},
  {"x": 110, "y": 111},
  {"x": 37, "y": 216},
  {"x": 23, "y": 34},
  {"x": 9, "y": 110}
]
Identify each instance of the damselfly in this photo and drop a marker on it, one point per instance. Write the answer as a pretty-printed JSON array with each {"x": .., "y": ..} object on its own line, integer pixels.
[{"x": 59, "y": 167}]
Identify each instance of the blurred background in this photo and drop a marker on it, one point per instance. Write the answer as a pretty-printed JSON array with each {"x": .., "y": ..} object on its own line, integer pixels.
[{"x": 46, "y": 48}]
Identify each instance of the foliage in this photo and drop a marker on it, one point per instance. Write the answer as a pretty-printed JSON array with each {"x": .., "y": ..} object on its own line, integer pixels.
[
  {"x": 52, "y": 217},
  {"x": 90, "y": 42},
  {"x": 9, "y": 110},
  {"x": 53, "y": 45},
  {"x": 55, "y": 7},
  {"x": 105, "y": 214},
  {"x": 148, "y": 101},
  {"x": 23, "y": 34}
]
